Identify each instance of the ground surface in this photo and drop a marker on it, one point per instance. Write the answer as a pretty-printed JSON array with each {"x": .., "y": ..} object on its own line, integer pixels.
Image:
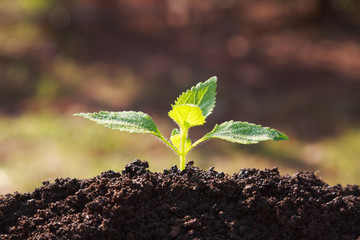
[{"x": 192, "y": 204}]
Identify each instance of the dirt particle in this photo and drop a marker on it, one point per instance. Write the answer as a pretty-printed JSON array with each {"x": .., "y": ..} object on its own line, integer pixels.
[{"x": 175, "y": 230}]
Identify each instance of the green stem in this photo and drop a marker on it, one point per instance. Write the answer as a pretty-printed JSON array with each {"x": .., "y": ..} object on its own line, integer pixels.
[
  {"x": 167, "y": 143},
  {"x": 182, "y": 153},
  {"x": 195, "y": 143}
]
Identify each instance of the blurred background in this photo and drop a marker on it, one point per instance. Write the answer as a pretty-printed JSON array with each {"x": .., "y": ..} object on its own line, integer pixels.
[{"x": 290, "y": 65}]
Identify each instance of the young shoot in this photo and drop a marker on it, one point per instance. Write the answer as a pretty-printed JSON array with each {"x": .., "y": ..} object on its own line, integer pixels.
[{"x": 190, "y": 109}]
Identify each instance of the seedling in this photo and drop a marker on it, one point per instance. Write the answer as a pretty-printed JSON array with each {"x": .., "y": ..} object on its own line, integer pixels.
[{"x": 190, "y": 109}]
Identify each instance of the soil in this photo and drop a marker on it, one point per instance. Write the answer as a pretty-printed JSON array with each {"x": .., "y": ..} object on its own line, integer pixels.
[{"x": 189, "y": 204}]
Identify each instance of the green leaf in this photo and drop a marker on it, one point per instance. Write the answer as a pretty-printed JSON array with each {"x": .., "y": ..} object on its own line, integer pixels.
[
  {"x": 128, "y": 121},
  {"x": 202, "y": 95},
  {"x": 176, "y": 139},
  {"x": 244, "y": 132},
  {"x": 174, "y": 132},
  {"x": 187, "y": 116}
]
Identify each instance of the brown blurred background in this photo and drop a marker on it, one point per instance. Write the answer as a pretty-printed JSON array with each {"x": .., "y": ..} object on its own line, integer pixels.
[{"x": 291, "y": 65}]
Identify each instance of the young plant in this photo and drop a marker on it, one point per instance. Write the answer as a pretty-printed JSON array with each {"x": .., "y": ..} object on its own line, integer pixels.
[{"x": 190, "y": 109}]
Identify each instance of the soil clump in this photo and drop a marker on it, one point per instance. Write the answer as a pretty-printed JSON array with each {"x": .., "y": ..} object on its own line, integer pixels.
[{"x": 189, "y": 204}]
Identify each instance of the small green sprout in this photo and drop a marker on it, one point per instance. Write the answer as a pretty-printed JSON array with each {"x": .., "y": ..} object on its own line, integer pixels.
[{"x": 190, "y": 109}]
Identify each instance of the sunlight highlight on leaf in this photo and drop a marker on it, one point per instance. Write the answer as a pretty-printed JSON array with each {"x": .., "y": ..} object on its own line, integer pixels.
[{"x": 187, "y": 115}]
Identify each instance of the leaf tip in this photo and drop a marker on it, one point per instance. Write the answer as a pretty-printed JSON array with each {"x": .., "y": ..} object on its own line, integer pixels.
[
  {"x": 279, "y": 136},
  {"x": 212, "y": 79}
]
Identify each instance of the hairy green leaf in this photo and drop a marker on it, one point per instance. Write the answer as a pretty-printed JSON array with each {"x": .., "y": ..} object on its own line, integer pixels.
[
  {"x": 244, "y": 132},
  {"x": 128, "y": 121},
  {"x": 187, "y": 116},
  {"x": 202, "y": 95}
]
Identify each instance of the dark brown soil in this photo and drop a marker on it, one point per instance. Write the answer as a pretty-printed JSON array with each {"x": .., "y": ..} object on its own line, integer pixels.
[{"x": 189, "y": 204}]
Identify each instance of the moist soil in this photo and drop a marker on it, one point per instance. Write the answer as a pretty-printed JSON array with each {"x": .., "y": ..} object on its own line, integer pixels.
[{"x": 189, "y": 204}]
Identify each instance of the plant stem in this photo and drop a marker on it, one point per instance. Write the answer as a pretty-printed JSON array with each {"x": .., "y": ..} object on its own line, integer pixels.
[
  {"x": 167, "y": 143},
  {"x": 182, "y": 153},
  {"x": 194, "y": 144}
]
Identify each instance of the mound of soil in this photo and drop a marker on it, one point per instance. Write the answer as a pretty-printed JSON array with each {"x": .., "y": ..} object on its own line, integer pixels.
[{"x": 189, "y": 204}]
